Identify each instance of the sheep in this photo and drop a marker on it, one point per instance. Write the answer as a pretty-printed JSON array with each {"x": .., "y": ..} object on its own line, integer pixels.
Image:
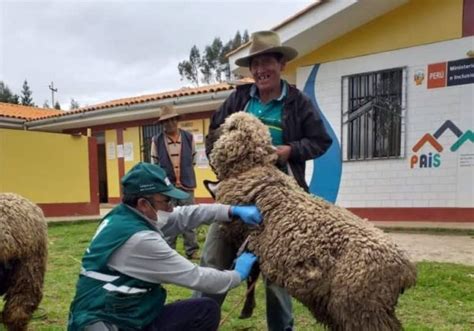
[
  {"x": 23, "y": 257},
  {"x": 348, "y": 273}
]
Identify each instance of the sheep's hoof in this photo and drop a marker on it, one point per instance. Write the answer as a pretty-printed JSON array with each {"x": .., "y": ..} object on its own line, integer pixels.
[{"x": 247, "y": 311}]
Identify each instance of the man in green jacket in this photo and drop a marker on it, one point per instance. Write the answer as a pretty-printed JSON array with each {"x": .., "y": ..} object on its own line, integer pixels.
[{"x": 123, "y": 269}]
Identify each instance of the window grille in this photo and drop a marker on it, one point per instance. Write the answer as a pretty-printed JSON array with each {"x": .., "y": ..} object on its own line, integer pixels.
[
  {"x": 373, "y": 115},
  {"x": 148, "y": 131}
]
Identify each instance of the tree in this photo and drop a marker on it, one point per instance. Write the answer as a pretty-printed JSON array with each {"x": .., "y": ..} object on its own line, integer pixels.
[
  {"x": 57, "y": 105},
  {"x": 213, "y": 66},
  {"x": 190, "y": 69},
  {"x": 237, "y": 41},
  {"x": 74, "y": 104},
  {"x": 6, "y": 95},
  {"x": 26, "y": 98},
  {"x": 245, "y": 37},
  {"x": 46, "y": 104}
]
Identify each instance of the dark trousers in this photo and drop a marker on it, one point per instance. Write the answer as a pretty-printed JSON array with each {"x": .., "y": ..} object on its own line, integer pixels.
[{"x": 201, "y": 314}]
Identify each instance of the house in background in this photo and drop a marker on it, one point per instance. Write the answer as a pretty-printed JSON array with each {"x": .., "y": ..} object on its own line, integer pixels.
[
  {"x": 70, "y": 162},
  {"x": 394, "y": 81}
]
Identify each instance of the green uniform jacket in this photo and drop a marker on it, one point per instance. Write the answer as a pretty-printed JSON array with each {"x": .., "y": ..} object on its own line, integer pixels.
[{"x": 103, "y": 294}]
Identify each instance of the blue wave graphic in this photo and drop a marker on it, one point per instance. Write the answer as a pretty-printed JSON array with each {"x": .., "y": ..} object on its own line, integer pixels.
[{"x": 328, "y": 167}]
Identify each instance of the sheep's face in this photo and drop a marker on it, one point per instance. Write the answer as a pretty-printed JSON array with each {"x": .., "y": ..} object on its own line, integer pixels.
[{"x": 244, "y": 143}]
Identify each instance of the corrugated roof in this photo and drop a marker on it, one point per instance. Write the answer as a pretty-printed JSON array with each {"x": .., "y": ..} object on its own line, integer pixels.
[
  {"x": 26, "y": 112},
  {"x": 185, "y": 91}
]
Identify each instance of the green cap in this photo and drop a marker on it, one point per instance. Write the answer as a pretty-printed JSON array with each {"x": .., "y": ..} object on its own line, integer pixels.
[{"x": 146, "y": 178}]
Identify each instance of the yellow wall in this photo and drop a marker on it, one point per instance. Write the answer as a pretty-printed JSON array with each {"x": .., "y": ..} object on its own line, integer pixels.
[
  {"x": 132, "y": 135},
  {"x": 199, "y": 129},
  {"x": 112, "y": 164},
  {"x": 415, "y": 23},
  {"x": 44, "y": 167}
]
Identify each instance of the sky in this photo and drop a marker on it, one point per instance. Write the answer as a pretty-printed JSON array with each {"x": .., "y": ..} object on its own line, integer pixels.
[{"x": 96, "y": 51}]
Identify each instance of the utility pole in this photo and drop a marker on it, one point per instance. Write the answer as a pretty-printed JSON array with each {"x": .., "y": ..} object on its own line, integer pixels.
[{"x": 51, "y": 87}]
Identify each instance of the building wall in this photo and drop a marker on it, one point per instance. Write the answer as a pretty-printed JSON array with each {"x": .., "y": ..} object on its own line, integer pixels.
[
  {"x": 198, "y": 128},
  {"x": 120, "y": 141},
  {"x": 131, "y": 140},
  {"x": 113, "y": 177},
  {"x": 397, "y": 183},
  {"x": 416, "y": 23},
  {"x": 52, "y": 170}
]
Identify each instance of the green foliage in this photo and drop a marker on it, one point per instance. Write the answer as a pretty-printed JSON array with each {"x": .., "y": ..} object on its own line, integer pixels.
[
  {"x": 57, "y": 105},
  {"x": 46, "y": 104},
  {"x": 6, "y": 94},
  {"x": 443, "y": 298},
  {"x": 190, "y": 69},
  {"x": 26, "y": 92},
  {"x": 213, "y": 65}
]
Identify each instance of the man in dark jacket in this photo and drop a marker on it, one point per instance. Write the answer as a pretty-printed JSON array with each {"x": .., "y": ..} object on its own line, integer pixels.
[
  {"x": 174, "y": 150},
  {"x": 297, "y": 133}
]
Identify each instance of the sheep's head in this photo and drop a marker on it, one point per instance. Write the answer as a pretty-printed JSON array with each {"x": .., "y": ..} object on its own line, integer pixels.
[{"x": 244, "y": 143}]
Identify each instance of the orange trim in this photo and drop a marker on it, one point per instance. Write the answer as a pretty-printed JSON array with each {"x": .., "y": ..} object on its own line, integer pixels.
[
  {"x": 468, "y": 18},
  {"x": 114, "y": 200},
  {"x": 427, "y": 138},
  {"x": 204, "y": 200},
  {"x": 94, "y": 172},
  {"x": 26, "y": 112},
  {"x": 185, "y": 91},
  {"x": 444, "y": 215},
  {"x": 69, "y": 209}
]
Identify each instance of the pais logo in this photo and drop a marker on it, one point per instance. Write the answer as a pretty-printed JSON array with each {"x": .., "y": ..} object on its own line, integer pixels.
[{"x": 433, "y": 159}]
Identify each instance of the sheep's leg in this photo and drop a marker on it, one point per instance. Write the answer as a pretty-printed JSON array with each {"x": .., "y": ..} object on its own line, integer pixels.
[
  {"x": 24, "y": 293},
  {"x": 250, "y": 303}
]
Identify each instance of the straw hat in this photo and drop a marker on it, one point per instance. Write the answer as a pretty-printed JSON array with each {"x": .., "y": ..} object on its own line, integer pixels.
[
  {"x": 264, "y": 42},
  {"x": 167, "y": 112}
]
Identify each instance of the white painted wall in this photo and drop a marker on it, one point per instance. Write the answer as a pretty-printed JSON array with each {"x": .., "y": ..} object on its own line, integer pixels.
[{"x": 392, "y": 183}]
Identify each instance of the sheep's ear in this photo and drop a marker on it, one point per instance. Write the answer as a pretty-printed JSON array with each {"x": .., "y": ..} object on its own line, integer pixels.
[{"x": 211, "y": 187}]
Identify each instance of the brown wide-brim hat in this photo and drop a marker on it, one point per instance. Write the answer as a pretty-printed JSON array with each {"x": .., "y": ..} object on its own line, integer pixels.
[
  {"x": 264, "y": 42},
  {"x": 167, "y": 112}
]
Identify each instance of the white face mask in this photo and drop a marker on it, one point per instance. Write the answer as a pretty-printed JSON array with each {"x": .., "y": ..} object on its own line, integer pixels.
[{"x": 162, "y": 218}]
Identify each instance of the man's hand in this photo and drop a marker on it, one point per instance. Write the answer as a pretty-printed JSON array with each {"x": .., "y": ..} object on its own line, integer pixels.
[
  {"x": 244, "y": 264},
  {"x": 283, "y": 152},
  {"x": 248, "y": 214}
]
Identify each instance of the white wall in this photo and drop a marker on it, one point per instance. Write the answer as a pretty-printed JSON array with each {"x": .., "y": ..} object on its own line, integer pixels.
[{"x": 393, "y": 183}]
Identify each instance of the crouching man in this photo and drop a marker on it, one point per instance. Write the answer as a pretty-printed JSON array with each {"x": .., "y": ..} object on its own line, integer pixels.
[{"x": 120, "y": 284}]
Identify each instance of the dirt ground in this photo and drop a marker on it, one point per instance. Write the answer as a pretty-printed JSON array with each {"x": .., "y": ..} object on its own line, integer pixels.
[{"x": 439, "y": 248}]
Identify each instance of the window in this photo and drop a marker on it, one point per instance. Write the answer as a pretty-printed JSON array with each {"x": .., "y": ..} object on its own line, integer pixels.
[
  {"x": 372, "y": 115},
  {"x": 148, "y": 131}
]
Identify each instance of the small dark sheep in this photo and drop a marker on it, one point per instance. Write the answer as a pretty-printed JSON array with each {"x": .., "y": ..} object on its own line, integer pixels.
[
  {"x": 348, "y": 273},
  {"x": 23, "y": 256}
]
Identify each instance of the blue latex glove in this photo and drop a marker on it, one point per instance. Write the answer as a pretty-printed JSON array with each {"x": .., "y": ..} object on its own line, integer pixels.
[
  {"x": 244, "y": 264},
  {"x": 248, "y": 214}
]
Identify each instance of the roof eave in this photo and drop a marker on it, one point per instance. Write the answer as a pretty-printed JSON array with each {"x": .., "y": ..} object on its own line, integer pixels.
[
  {"x": 147, "y": 110},
  {"x": 11, "y": 123},
  {"x": 318, "y": 25}
]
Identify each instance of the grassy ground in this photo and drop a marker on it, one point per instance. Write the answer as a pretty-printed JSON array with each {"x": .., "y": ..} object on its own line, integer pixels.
[{"x": 442, "y": 300}]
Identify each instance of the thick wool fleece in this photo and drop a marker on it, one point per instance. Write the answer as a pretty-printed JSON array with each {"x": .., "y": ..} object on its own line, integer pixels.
[
  {"x": 23, "y": 256},
  {"x": 347, "y": 272}
]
